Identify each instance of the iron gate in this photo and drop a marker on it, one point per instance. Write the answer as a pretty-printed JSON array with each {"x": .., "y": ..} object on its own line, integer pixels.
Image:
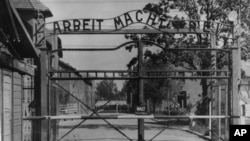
[{"x": 140, "y": 75}]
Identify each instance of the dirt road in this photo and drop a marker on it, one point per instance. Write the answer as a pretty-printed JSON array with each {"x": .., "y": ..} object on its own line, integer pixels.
[{"x": 98, "y": 130}]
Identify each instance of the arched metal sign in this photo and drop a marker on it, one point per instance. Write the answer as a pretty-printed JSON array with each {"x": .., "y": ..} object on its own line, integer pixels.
[{"x": 122, "y": 22}]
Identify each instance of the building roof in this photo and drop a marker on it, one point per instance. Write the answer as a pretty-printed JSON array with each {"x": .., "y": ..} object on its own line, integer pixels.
[
  {"x": 25, "y": 42},
  {"x": 67, "y": 66},
  {"x": 32, "y": 5},
  {"x": 112, "y": 102}
]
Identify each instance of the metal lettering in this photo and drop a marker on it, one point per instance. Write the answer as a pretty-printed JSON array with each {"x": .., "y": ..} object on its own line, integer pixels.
[
  {"x": 161, "y": 22},
  {"x": 117, "y": 22},
  {"x": 192, "y": 26},
  {"x": 100, "y": 23},
  {"x": 56, "y": 27},
  {"x": 206, "y": 26},
  {"x": 93, "y": 24},
  {"x": 76, "y": 24},
  {"x": 127, "y": 19},
  {"x": 151, "y": 18},
  {"x": 85, "y": 22},
  {"x": 136, "y": 15},
  {"x": 169, "y": 23},
  {"x": 218, "y": 28},
  {"x": 66, "y": 26}
]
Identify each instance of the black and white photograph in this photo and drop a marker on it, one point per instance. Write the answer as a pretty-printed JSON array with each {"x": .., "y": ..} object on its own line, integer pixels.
[{"x": 124, "y": 70}]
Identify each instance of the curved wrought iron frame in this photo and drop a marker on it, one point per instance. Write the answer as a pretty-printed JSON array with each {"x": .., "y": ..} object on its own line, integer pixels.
[{"x": 138, "y": 75}]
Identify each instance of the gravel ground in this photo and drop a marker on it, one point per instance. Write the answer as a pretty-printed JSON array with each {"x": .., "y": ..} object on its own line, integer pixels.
[{"x": 98, "y": 130}]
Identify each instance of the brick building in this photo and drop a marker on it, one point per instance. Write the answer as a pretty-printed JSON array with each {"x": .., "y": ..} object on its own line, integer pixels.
[{"x": 82, "y": 89}]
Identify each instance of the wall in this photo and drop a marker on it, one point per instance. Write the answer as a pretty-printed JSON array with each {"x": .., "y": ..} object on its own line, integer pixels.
[
  {"x": 28, "y": 106},
  {"x": 79, "y": 88},
  {"x": 16, "y": 92},
  {"x": 17, "y": 106}
]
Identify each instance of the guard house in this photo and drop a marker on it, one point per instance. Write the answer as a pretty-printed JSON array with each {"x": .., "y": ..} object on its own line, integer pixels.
[
  {"x": 16, "y": 73},
  {"x": 19, "y": 61}
]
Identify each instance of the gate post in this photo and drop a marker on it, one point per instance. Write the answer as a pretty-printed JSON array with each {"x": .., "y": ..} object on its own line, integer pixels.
[
  {"x": 141, "y": 96},
  {"x": 44, "y": 94},
  {"x": 41, "y": 80},
  {"x": 236, "y": 76}
]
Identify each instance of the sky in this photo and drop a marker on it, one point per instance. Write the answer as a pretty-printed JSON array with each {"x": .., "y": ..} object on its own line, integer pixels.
[
  {"x": 104, "y": 9},
  {"x": 69, "y": 9},
  {"x": 95, "y": 9}
]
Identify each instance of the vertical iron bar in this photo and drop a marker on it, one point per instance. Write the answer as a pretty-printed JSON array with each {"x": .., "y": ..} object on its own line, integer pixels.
[
  {"x": 219, "y": 110},
  {"x": 49, "y": 93},
  {"x": 214, "y": 93},
  {"x": 229, "y": 91},
  {"x": 141, "y": 97},
  {"x": 229, "y": 100}
]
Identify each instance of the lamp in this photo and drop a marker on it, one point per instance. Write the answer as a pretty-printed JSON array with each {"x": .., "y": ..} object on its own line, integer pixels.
[{"x": 232, "y": 16}]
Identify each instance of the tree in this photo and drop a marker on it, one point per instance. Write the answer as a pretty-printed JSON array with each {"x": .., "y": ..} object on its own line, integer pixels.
[
  {"x": 212, "y": 10},
  {"x": 155, "y": 90},
  {"x": 106, "y": 89},
  {"x": 121, "y": 95}
]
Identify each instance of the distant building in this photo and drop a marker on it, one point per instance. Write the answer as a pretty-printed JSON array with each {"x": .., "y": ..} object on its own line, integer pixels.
[
  {"x": 111, "y": 106},
  {"x": 82, "y": 89},
  {"x": 245, "y": 92}
]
